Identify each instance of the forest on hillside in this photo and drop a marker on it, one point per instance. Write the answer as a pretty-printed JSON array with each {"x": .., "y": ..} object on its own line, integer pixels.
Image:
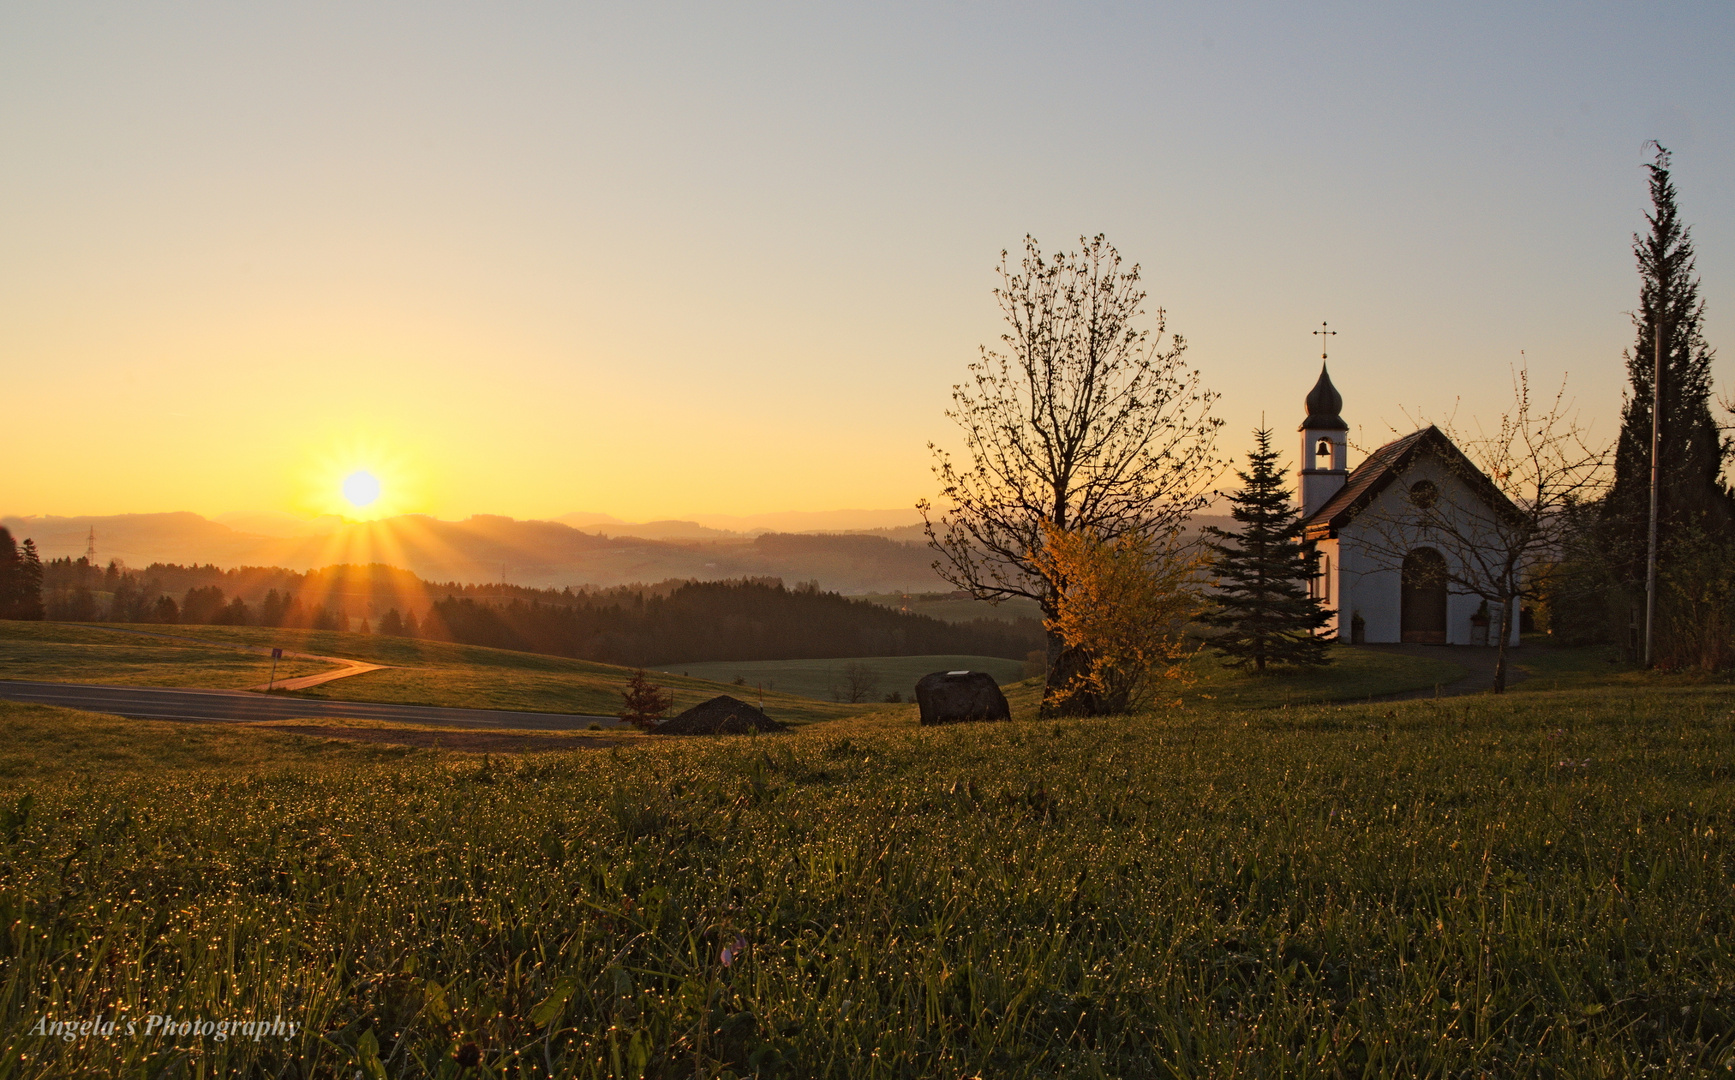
[
  {"x": 721, "y": 620},
  {"x": 665, "y": 622}
]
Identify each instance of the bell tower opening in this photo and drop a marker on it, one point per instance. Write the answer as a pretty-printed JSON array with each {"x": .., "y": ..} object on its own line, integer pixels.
[{"x": 1324, "y": 446}]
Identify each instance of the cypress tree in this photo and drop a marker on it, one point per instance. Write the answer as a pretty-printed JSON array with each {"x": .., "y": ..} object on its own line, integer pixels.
[
  {"x": 1263, "y": 604},
  {"x": 1692, "y": 493},
  {"x": 1694, "y": 505}
]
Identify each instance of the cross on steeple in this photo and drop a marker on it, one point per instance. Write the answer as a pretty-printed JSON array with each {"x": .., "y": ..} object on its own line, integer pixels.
[{"x": 1324, "y": 335}]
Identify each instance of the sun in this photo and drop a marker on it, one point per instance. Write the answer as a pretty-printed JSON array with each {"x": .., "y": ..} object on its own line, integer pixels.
[
  {"x": 360, "y": 480},
  {"x": 361, "y": 488}
]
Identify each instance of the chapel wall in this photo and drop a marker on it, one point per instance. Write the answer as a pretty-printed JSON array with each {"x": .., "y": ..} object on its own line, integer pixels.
[{"x": 1373, "y": 581}]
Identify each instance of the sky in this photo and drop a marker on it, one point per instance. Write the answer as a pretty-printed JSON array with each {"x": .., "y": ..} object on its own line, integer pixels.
[{"x": 660, "y": 260}]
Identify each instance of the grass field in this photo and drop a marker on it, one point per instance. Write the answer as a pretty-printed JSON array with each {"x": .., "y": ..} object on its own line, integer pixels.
[
  {"x": 817, "y": 678},
  {"x": 1353, "y": 675},
  {"x": 1534, "y": 885},
  {"x": 58, "y": 652},
  {"x": 469, "y": 676},
  {"x": 421, "y": 672}
]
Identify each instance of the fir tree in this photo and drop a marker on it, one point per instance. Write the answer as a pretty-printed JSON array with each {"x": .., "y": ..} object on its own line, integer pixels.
[
  {"x": 1263, "y": 603},
  {"x": 1692, "y": 498}
]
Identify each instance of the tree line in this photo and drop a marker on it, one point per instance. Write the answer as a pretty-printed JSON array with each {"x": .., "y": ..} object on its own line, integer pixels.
[
  {"x": 20, "y": 578},
  {"x": 711, "y": 620},
  {"x": 664, "y": 622}
]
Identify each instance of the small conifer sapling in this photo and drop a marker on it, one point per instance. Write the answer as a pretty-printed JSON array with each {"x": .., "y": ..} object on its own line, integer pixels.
[{"x": 645, "y": 702}]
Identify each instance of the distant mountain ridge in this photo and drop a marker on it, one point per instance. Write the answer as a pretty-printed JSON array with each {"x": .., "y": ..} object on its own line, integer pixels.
[{"x": 489, "y": 548}]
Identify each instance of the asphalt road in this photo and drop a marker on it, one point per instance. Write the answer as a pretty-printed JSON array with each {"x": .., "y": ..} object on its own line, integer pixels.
[{"x": 155, "y": 703}]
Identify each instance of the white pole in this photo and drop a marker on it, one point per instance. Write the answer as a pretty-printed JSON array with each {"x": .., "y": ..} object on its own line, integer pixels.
[{"x": 1656, "y": 462}]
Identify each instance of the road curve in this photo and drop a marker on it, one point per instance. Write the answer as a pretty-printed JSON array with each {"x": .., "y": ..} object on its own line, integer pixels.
[
  {"x": 240, "y": 706},
  {"x": 350, "y": 667},
  {"x": 345, "y": 668}
]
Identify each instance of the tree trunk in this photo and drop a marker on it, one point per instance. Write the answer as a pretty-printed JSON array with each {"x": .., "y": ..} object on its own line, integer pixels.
[
  {"x": 1500, "y": 652},
  {"x": 1066, "y": 664}
]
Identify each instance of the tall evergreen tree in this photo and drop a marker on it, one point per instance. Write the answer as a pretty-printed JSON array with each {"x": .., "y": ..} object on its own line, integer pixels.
[
  {"x": 1692, "y": 497},
  {"x": 1263, "y": 603}
]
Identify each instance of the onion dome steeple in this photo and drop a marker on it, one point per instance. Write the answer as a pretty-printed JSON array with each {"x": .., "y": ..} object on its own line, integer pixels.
[{"x": 1324, "y": 404}]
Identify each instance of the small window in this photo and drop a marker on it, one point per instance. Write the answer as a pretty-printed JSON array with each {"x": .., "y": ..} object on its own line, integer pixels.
[{"x": 1423, "y": 494}]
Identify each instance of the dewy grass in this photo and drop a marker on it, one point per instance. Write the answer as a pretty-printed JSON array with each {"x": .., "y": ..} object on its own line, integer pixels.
[{"x": 1540, "y": 885}]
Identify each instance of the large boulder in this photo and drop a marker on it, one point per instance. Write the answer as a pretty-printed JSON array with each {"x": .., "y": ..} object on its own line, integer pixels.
[
  {"x": 722, "y": 715},
  {"x": 951, "y": 697}
]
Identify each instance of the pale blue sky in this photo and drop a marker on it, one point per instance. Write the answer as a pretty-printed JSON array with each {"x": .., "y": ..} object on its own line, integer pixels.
[{"x": 655, "y": 260}]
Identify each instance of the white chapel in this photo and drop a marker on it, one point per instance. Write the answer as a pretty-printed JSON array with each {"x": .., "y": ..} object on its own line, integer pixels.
[{"x": 1387, "y": 580}]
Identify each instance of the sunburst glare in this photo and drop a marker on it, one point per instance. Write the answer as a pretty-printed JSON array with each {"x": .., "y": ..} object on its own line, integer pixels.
[
  {"x": 365, "y": 480},
  {"x": 361, "y": 488}
]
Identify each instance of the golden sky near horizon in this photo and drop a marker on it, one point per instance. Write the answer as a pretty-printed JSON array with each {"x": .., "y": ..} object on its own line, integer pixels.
[{"x": 671, "y": 261}]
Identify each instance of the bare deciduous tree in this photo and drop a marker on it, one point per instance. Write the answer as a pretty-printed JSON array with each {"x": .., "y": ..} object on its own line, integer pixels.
[
  {"x": 1532, "y": 471},
  {"x": 1085, "y": 421},
  {"x": 858, "y": 682}
]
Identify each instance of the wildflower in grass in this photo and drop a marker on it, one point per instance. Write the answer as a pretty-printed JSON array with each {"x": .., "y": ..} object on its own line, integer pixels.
[{"x": 732, "y": 951}]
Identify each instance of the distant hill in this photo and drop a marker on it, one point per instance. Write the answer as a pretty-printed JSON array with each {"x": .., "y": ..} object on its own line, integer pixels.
[
  {"x": 488, "y": 548},
  {"x": 139, "y": 539}
]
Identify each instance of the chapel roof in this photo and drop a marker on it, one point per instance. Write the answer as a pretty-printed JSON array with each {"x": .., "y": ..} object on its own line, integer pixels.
[
  {"x": 1385, "y": 465},
  {"x": 1324, "y": 404}
]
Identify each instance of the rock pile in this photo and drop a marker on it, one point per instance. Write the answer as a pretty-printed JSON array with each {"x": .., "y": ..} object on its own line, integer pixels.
[{"x": 722, "y": 715}]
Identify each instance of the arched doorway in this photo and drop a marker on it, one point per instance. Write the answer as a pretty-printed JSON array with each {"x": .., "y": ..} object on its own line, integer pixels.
[{"x": 1423, "y": 597}]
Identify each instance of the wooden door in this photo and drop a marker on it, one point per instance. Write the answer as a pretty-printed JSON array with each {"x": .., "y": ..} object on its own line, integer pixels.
[{"x": 1424, "y": 597}]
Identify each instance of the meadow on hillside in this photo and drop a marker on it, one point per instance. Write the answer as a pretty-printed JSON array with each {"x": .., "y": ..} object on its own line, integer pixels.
[
  {"x": 1539, "y": 884},
  {"x": 418, "y": 672}
]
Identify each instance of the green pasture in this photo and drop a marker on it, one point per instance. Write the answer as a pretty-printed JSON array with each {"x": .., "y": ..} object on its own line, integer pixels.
[
  {"x": 1354, "y": 674},
  {"x": 1534, "y": 885},
  {"x": 420, "y": 672},
  {"x": 1583, "y": 667},
  {"x": 59, "y": 652},
  {"x": 796, "y": 691},
  {"x": 818, "y": 678},
  {"x": 41, "y": 745}
]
